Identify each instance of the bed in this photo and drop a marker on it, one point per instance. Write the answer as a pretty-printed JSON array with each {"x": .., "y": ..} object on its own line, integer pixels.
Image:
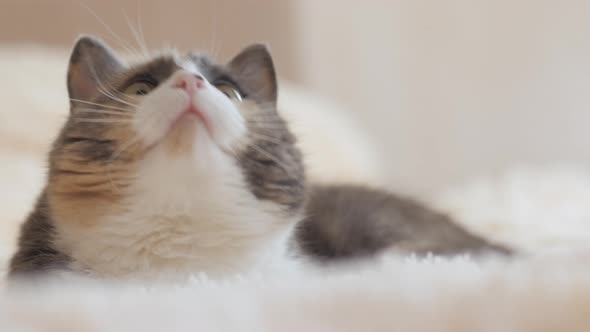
[{"x": 542, "y": 211}]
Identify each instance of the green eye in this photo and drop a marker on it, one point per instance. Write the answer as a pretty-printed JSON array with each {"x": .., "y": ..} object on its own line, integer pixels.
[
  {"x": 228, "y": 90},
  {"x": 139, "y": 88}
]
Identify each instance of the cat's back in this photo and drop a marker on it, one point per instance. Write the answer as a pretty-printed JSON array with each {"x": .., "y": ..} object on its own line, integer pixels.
[{"x": 345, "y": 221}]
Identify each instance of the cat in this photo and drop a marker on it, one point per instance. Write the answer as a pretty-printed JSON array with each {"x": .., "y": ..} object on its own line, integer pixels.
[{"x": 179, "y": 165}]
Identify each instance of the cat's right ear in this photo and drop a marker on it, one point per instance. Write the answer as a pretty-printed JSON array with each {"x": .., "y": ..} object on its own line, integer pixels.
[{"x": 92, "y": 64}]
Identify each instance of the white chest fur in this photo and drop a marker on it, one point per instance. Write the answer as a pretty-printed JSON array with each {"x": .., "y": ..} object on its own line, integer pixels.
[{"x": 181, "y": 217}]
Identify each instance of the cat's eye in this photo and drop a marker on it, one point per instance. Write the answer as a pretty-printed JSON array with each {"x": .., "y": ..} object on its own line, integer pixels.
[
  {"x": 230, "y": 91},
  {"x": 140, "y": 88}
]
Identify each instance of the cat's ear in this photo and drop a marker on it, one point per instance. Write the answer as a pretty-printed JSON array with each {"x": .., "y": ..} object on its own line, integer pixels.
[
  {"x": 254, "y": 71},
  {"x": 92, "y": 64}
]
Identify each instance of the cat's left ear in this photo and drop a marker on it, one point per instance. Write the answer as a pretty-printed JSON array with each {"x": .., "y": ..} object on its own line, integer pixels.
[
  {"x": 254, "y": 71},
  {"x": 92, "y": 65}
]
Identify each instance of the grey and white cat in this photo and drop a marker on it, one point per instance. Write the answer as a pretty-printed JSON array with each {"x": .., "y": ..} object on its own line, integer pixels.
[{"x": 180, "y": 165}]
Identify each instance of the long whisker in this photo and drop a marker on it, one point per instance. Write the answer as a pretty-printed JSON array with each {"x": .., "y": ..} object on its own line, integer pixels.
[
  {"x": 269, "y": 126},
  {"x": 266, "y": 104},
  {"x": 97, "y": 104},
  {"x": 213, "y": 36},
  {"x": 147, "y": 124},
  {"x": 111, "y": 162},
  {"x": 102, "y": 89},
  {"x": 110, "y": 175},
  {"x": 102, "y": 120},
  {"x": 104, "y": 112},
  {"x": 141, "y": 35},
  {"x": 123, "y": 94},
  {"x": 270, "y": 156},
  {"x": 135, "y": 139},
  {"x": 106, "y": 93},
  {"x": 266, "y": 138},
  {"x": 265, "y": 120},
  {"x": 262, "y": 111},
  {"x": 135, "y": 33},
  {"x": 271, "y": 119},
  {"x": 264, "y": 116},
  {"x": 108, "y": 28}
]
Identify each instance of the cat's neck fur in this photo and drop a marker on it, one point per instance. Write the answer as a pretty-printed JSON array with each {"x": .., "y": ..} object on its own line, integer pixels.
[{"x": 177, "y": 219}]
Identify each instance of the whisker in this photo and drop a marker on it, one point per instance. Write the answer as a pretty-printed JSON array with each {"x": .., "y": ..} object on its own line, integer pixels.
[
  {"x": 99, "y": 111},
  {"x": 265, "y": 120},
  {"x": 273, "y": 120},
  {"x": 106, "y": 93},
  {"x": 270, "y": 156},
  {"x": 258, "y": 112},
  {"x": 213, "y": 40},
  {"x": 141, "y": 35},
  {"x": 263, "y": 113},
  {"x": 277, "y": 124},
  {"x": 267, "y": 126},
  {"x": 148, "y": 123},
  {"x": 110, "y": 174},
  {"x": 97, "y": 104},
  {"x": 123, "y": 94},
  {"x": 102, "y": 120},
  {"x": 135, "y": 33},
  {"x": 102, "y": 89},
  {"x": 267, "y": 105},
  {"x": 134, "y": 140},
  {"x": 266, "y": 138},
  {"x": 108, "y": 28}
]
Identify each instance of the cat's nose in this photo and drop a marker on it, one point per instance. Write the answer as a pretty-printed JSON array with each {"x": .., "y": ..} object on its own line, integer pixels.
[{"x": 190, "y": 82}]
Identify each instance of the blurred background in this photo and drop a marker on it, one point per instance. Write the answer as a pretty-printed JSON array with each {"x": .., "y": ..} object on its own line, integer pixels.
[{"x": 448, "y": 89}]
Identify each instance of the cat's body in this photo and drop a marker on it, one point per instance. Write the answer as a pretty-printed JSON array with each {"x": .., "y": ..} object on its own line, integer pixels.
[
  {"x": 179, "y": 165},
  {"x": 345, "y": 222}
]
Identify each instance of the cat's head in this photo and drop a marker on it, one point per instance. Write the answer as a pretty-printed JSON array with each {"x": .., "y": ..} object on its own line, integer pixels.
[{"x": 172, "y": 116}]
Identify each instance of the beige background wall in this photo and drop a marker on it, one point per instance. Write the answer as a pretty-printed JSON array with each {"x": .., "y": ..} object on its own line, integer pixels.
[
  {"x": 220, "y": 26},
  {"x": 450, "y": 88}
]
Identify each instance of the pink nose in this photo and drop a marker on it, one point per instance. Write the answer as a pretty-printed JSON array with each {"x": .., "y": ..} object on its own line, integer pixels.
[{"x": 190, "y": 82}]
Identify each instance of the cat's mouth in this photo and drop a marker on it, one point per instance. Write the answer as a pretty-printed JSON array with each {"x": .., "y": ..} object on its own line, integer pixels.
[
  {"x": 190, "y": 113},
  {"x": 190, "y": 125}
]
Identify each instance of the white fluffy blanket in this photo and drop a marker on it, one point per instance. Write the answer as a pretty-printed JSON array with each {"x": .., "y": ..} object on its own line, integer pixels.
[{"x": 543, "y": 211}]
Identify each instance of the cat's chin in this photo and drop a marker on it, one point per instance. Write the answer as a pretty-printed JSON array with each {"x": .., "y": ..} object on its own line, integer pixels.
[{"x": 184, "y": 133}]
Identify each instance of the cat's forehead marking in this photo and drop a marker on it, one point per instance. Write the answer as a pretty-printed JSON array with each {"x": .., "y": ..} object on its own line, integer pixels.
[
  {"x": 160, "y": 67},
  {"x": 189, "y": 66}
]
